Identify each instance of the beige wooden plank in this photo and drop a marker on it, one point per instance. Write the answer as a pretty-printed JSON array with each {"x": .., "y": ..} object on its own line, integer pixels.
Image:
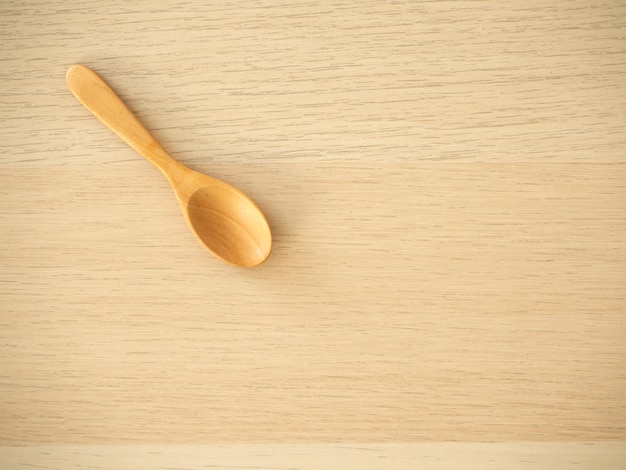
[
  {"x": 432, "y": 456},
  {"x": 286, "y": 81},
  {"x": 403, "y": 302}
]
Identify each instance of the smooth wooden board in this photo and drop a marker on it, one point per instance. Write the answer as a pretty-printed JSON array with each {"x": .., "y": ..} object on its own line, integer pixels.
[
  {"x": 432, "y": 456},
  {"x": 446, "y": 184},
  {"x": 417, "y": 302},
  {"x": 286, "y": 81}
]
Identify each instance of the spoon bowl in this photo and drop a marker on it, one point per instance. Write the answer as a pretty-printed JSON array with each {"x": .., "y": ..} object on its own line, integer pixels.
[{"x": 226, "y": 221}]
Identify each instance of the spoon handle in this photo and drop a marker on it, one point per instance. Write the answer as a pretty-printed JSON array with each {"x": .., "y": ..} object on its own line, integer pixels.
[{"x": 98, "y": 97}]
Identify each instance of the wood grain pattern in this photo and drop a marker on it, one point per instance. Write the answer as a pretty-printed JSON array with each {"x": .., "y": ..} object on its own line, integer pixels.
[
  {"x": 420, "y": 302},
  {"x": 297, "y": 80},
  {"x": 446, "y": 186},
  {"x": 434, "y": 456}
]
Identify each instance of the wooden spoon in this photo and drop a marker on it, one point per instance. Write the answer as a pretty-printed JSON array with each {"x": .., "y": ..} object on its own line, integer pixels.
[{"x": 226, "y": 221}]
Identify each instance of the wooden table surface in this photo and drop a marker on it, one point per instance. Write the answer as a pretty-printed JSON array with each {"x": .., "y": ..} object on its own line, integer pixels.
[{"x": 446, "y": 185}]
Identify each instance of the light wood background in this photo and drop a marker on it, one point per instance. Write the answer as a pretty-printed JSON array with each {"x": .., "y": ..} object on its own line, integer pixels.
[{"x": 446, "y": 184}]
